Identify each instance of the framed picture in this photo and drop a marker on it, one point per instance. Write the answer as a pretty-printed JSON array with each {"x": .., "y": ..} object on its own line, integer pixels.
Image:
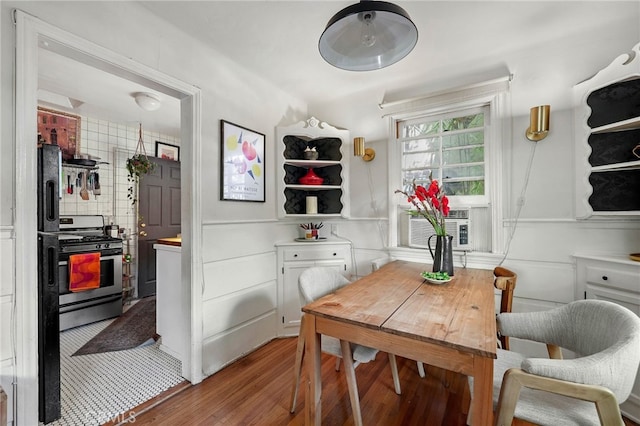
[
  {"x": 59, "y": 128},
  {"x": 242, "y": 169},
  {"x": 167, "y": 151}
]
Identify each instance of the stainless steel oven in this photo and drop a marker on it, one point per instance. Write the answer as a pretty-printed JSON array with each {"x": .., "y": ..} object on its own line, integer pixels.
[{"x": 84, "y": 234}]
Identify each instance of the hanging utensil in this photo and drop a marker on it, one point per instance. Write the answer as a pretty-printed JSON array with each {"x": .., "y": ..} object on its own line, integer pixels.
[
  {"x": 84, "y": 194},
  {"x": 96, "y": 184}
]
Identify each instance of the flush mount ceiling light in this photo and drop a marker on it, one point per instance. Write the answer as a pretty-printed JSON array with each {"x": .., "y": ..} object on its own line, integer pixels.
[
  {"x": 147, "y": 101},
  {"x": 368, "y": 36}
]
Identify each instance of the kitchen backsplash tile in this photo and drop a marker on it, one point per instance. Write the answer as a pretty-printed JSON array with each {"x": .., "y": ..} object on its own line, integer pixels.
[{"x": 113, "y": 143}]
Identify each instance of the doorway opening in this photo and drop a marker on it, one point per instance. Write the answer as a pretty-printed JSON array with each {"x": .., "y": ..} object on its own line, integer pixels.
[{"x": 31, "y": 35}]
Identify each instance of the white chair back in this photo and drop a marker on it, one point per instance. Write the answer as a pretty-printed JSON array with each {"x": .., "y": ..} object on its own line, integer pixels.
[{"x": 319, "y": 281}]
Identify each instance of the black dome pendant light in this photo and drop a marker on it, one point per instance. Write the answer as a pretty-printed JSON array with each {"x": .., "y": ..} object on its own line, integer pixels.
[{"x": 368, "y": 36}]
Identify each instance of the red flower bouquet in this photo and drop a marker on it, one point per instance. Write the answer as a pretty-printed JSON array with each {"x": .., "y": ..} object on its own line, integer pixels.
[{"x": 431, "y": 203}]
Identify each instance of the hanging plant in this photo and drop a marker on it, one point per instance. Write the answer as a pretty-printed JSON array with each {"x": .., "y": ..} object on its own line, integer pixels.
[{"x": 137, "y": 166}]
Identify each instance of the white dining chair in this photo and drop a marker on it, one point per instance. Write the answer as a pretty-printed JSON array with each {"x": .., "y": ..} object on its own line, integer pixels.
[{"x": 314, "y": 283}]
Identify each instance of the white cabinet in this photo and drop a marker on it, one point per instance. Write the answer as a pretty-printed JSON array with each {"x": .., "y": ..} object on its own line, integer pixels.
[
  {"x": 331, "y": 166},
  {"x": 293, "y": 259},
  {"x": 607, "y": 131},
  {"x": 616, "y": 279},
  {"x": 171, "y": 301}
]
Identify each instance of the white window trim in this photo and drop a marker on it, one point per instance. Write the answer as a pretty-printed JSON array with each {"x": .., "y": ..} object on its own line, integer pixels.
[{"x": 497, "y": 97}]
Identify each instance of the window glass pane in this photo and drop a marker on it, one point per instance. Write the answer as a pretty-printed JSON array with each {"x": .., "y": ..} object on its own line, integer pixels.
[
  {"x": 472, "y": 187},
  {"x": 463, "y": 139},
  {"x": 430, "y": 144},
  {"x": 447, "y": 145},
  {"x": 461, "y": 156},
  {"x": 471, "y": 171},
  {"x": 466, "y": 122},
  {"x": 420, "y": 160},
  {"x": 418, "y": 129},
  {"x": 420, "y": 176}
]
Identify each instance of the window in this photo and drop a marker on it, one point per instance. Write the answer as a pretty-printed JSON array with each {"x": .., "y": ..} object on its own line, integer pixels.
[
  {"x": 449, "y": 146},
  {"x": 456, "y": 136}
]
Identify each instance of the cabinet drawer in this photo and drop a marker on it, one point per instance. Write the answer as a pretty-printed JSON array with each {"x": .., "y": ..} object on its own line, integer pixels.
[
  {"x": 315, "y": 254},
  {"x": 627, "y": 299},
  {"x": 614, "y": 278}
]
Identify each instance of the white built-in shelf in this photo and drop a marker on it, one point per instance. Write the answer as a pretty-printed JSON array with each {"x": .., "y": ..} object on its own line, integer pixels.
[
  {"x": 313, "y": 187},
  {"x": 332, "y": 166},
  {"x": 314, "y": 215},
  {"x": 630, "y": 124},
  {"x": 311, "y": 164},
  {"x": 630, "y": 165}
]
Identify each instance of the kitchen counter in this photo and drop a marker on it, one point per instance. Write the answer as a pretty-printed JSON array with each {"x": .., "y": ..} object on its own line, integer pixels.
[{"x": 171, "y": 241}]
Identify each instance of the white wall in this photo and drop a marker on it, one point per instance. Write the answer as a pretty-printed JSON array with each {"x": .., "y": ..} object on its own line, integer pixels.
[{"x": 229, "y": 91}]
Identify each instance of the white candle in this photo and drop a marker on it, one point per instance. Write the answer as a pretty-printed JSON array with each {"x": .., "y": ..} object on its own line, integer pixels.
[{"x": 312, "y": 205}]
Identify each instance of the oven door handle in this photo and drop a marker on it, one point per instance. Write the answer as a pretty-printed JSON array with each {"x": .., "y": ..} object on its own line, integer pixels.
[{"x": 114, "y": 257}]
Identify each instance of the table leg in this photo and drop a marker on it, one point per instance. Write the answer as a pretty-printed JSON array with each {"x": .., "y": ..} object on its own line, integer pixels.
[
  {"x": 482, "y": 409},
  {"x": 313, "y": 401}
]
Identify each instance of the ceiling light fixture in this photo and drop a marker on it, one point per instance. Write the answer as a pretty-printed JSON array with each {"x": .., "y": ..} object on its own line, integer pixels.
[
  {"x": 147, "y": 101},
  {"x": 368, "y": 36}
]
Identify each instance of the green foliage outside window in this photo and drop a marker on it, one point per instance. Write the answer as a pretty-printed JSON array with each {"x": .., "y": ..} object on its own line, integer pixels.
[{"x": 450, "y": 148}]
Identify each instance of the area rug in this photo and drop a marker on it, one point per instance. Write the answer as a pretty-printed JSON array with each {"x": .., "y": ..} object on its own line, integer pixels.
[{"x": 134, "y": 328}]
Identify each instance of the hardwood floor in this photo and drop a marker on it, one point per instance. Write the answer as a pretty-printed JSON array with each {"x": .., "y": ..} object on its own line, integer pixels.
[{"x": 256, "y": 389}]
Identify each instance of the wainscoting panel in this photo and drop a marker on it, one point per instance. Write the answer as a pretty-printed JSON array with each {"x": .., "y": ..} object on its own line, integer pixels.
[
  {"x": 228, "y": 276},
  {"x": 233, "y": 240},
  {"x": 224, "y": 348},
  {"x": 231, "y": 311},
  {"x": 239, "y": 292},
  {"x": 546, "y": 281},
  {"x": 6, "y": 303},
  {"x": 7, "y": 277},
  {"x": 6, "y": 260}
]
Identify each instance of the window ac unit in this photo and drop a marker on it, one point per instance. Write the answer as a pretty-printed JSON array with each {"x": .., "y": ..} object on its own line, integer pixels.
[{"x": 458, "y": 225}]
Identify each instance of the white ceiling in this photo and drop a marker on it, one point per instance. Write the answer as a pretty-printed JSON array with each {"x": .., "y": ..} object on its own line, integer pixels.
[{"x": 458, "y": 43}]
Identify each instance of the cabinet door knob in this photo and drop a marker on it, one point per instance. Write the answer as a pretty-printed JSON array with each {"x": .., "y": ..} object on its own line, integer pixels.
[
  {"x": 295, "y": 255},
  {"x": 335, "y": 254},
  {"x": 604, "y": 277}
]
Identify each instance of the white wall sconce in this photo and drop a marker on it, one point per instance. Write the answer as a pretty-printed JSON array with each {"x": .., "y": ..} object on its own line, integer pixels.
[
  {"x": 147, "y": 101},
  {"x": 538, "y": 123},
  {"x": 359, "y": 150}
]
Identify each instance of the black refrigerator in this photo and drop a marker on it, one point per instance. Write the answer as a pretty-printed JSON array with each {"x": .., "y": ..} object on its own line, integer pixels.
[{"x": 49, "y": 162}]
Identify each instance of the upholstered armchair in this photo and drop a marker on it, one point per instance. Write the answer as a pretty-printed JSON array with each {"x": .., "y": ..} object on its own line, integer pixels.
[{"x": 585, "y": 390}]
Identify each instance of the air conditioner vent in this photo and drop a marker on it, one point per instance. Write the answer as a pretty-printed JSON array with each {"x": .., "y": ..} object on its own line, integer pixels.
[{"x": 458, "y": 225}]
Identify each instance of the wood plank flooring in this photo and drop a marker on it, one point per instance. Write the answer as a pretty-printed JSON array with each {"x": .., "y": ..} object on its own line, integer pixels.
[{"x": 256, "y": 389}]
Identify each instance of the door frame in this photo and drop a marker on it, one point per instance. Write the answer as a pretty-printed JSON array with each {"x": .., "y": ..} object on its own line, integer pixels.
[{"x": 30, "y": 32}]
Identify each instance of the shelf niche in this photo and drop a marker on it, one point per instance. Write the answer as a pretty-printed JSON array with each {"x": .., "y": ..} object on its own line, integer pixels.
[
  {"x": 331, "y": 165},
  {"x": 607, "y": 129}
]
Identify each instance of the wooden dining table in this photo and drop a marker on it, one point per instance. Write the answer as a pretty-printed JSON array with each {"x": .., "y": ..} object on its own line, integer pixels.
[{"x": 451, "y": 326}]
